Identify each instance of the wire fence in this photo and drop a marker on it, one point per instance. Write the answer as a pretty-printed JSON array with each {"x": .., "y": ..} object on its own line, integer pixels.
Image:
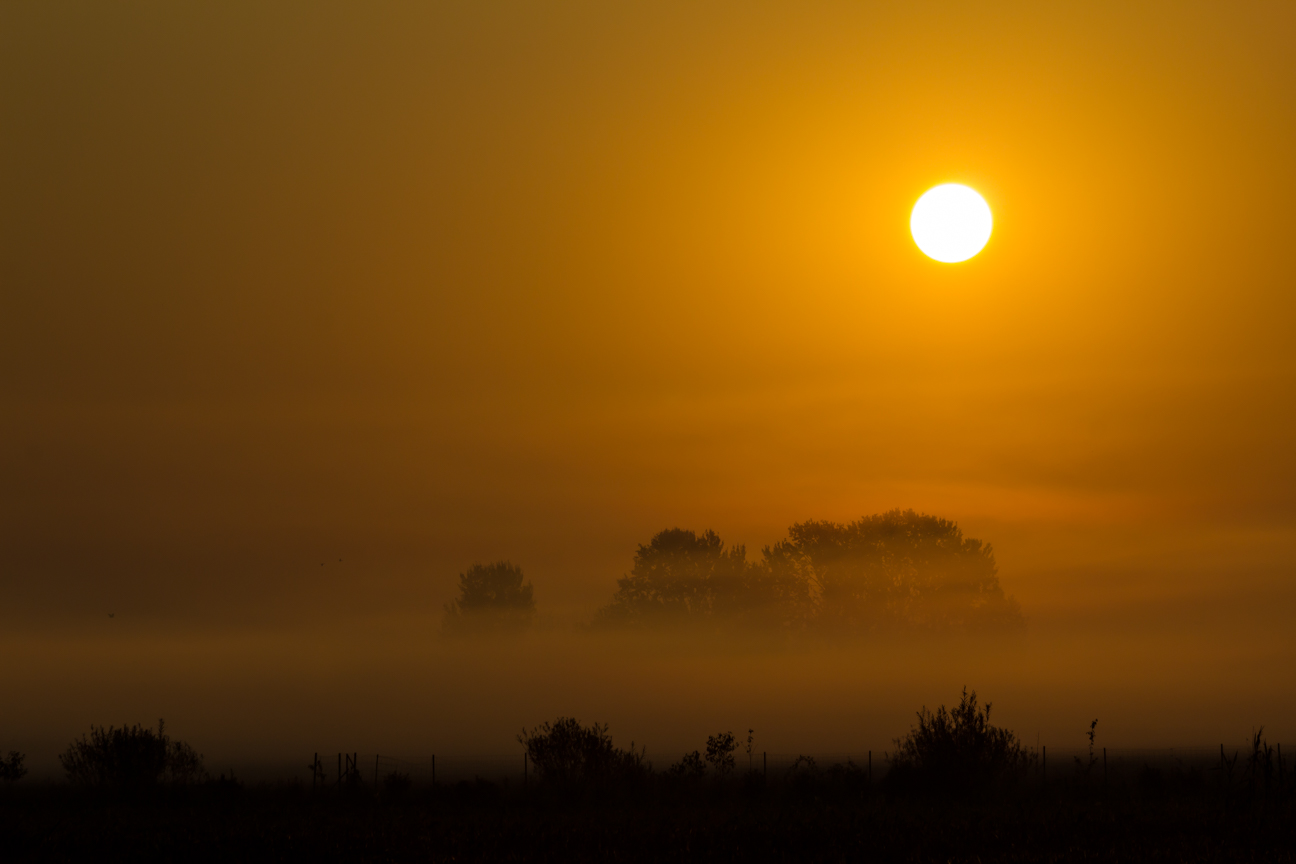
[
  {"x": 1112, "y": 763},
  {"x": 453, "y": 768},
  {"x": 1129, "y": 764},
  {"x": 1047, "y": 764},
  {"x": 378, "y": 769}
]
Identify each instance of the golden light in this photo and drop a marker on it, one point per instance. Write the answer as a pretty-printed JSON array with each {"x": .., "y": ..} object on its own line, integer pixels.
[{"x": 951, "y": 223}]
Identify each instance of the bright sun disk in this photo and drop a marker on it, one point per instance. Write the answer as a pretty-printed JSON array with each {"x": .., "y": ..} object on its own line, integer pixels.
[{"x": 951, "y": 223}]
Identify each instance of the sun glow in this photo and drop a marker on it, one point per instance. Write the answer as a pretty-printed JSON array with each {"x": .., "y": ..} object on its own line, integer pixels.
[{"x": 951, "y": 223}]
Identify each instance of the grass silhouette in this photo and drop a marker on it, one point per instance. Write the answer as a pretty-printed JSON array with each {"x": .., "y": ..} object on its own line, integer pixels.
[{"x": 957, "y": 788}]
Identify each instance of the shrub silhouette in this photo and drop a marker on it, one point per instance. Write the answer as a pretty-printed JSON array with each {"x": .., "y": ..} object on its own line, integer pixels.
[
  {"x": 956, "y": 752},
  {"x": 804, "y": 765},
  {"x": 690, "y": 767},
  {"x": 491, "y": 596},
  {"x": 131, "y": 757},
  {"x": 564, "y": 753},
  {"x": 11, "y": 769},
  {"x": 719, "y": 753}
]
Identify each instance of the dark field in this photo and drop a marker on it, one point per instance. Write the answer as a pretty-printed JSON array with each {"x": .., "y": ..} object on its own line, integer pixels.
[{"x": 1169, "y": 814}]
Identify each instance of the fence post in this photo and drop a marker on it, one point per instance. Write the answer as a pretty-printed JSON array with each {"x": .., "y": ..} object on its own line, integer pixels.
[
  {"x": 339, "y": 777},
  {"x": 1044, "y": 765},
  {"x": 764, "y": 767},
  {"x": 1104, "y": 766},
  {"x": 526, "y": 769},
  {"x": 870, "y": 766},
  {"x": 375, "y": 772},
  {"x": 433, "y": 769}
]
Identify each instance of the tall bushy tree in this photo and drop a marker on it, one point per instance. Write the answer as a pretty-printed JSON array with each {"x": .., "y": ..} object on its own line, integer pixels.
[
  {"x": 680, "y": 576},
  {"x": 895, "y": 568},
  {"x": 491, "y": 596}
]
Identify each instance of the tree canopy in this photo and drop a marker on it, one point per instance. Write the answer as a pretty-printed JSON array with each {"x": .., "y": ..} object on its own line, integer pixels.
[
  {"x": 894, "y": 569},
  {"x": 491, "y": 595},
  {"x": 898, "y": 567},
  {"x": 681, "y": 576}
]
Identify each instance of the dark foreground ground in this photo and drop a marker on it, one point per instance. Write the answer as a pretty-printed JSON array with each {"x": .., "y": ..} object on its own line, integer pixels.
[{"x": 479, "y": 822}]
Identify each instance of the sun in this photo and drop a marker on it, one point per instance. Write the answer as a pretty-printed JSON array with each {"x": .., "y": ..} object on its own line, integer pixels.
[{"x": 951, "y": 223}]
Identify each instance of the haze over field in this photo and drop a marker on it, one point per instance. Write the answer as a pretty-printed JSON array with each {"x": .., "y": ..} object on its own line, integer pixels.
[{"x": 305, "y": 309}]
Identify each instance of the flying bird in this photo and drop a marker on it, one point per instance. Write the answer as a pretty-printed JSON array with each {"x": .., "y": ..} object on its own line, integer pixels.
[{"x": 110, "y": 615}]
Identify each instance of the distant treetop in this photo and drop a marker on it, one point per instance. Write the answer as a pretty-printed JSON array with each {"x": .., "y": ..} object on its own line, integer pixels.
[
  {"x": 894, "y": 569},
  {"x": 898, "y": 567},
  {"x": 491, "y": 596}
]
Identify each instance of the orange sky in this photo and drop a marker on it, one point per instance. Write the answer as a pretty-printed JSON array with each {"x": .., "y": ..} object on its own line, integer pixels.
[{"x": 417, "y": 285}]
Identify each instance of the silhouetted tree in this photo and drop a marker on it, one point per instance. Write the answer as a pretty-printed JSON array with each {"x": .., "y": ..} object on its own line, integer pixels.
[
  {"x": 681, "y": 576},
  {"x": 491, "y": 596},
  {"x": 131, "y": 757},
  {"x": 899, "y": 567},
  {"x": 567, "y": 753},
  {"x": 719, "y": 752},
  {"x": 956, "y": 751},
  {"x": 895, "y": 569},
  {"x": 11, "y": 769}
]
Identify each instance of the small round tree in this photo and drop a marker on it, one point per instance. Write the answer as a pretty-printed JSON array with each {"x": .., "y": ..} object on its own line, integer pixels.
[{"x": 491, "y": 596}]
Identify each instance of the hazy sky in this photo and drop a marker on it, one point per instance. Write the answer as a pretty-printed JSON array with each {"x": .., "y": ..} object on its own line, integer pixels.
[{"x": 413, "y": 285}]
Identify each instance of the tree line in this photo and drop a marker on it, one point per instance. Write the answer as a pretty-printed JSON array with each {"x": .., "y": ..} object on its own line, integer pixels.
[{"x": 893, "y": 570}]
